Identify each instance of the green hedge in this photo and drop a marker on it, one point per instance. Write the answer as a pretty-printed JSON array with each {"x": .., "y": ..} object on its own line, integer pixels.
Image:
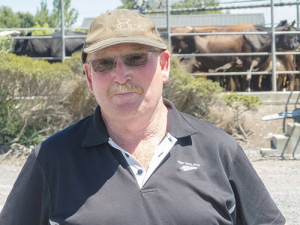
[
  {"x": 38, "y": 98},
  {"x": 32, "y": 96},
  {"x": 191, "y": 95},
  {"x": 6, "y": 44}
]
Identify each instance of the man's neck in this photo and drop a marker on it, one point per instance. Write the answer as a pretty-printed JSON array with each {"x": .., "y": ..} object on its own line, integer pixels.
[{"x": 138, "y": 133}]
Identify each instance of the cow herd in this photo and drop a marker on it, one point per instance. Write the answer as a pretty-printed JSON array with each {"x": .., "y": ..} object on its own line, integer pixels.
[
  {"x": 202, "y": 44},
  {"x": 239, "y": 43}
]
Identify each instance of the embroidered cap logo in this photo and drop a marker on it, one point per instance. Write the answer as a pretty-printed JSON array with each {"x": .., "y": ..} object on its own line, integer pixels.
[
  {"x": 125, "y": 25},
  {"x": 121, "y": 26}
]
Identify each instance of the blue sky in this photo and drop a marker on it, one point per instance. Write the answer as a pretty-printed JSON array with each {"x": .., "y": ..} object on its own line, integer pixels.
[
  {"x": 288, "y": 13},
  {"x": 93, "y": 8},
  {"x": 86, "y": 8}
]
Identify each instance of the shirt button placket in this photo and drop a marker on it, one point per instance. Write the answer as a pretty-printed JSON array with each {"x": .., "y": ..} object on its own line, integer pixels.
[{"x": 140, "y": 172}]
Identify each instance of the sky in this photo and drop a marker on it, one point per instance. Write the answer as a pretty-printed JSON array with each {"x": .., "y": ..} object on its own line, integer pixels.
[
  {"x": 288, "y": 13},
  {"x": 93, "y": 8},
  {"x": 86, "y": 8}
]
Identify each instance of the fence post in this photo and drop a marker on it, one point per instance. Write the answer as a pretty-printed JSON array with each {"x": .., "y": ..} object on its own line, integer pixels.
[
  {"x": 63, "y": 50},
  {"x": 274, "y": 81},
  {"x": 297, "y": 14},
  {"x": 168, "y": 25}
]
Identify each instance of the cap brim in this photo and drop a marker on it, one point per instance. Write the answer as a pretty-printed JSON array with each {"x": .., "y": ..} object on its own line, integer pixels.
[{"x": 114, "y": 41}]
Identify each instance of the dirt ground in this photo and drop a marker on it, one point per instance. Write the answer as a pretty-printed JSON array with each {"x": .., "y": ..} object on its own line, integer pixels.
[
  {"x": 262, "y": 131},
  {"x": 281, "y": 177}
]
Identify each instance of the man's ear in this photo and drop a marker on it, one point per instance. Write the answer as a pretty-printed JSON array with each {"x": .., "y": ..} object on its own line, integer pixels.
[
  {"x": 165, "y": 65},
  {"x": 87, "y": 71}
]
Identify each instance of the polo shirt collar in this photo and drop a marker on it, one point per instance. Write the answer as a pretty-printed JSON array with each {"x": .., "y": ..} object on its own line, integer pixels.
[
  {"x": 96, "y": 132},
  {"x": 178, "y": 127}
]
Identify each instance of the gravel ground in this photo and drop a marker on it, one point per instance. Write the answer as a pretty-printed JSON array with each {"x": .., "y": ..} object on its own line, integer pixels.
[
  {"x": 282, "y": 179},
  {"x": 8, "y": 175}
]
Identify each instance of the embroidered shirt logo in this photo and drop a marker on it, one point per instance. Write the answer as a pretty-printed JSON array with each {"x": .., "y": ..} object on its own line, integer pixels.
[
  {"x": 188, "y": 166},
  {"x": 126, "y": 25}
]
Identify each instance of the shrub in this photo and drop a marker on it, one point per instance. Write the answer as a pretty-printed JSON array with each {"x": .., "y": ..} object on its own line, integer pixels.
[
  {"x": 6, "y": 44},
  {"x": 80, "y": 101},
  {"x": 30, "y": 94},
  {"x": 239, "y": 104},
  {"x": 38, "y": 99},
  {"x": 191, "y": 95},
  {"x": 41, "y": 32},
  {"x": 75, "y": 63}
]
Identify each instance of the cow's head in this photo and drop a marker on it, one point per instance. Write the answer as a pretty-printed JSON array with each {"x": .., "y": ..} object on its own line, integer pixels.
[
  {"x": 183, "y": 44},
  {"x": 22, "y": 46},
  {"x": 286, "y": 41}
]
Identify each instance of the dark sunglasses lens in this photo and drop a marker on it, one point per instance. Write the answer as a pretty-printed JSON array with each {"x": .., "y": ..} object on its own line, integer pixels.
[
  {"x": 136, "y": 59},
  {"x": 103, "y": 65}
]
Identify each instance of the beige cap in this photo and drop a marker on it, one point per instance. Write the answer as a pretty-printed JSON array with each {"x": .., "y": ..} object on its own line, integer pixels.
[{"x": 121, "y": 26}]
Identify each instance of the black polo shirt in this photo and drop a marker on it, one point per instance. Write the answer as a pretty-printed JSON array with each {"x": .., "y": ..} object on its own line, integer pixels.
[{"x": 75, "y": 177}]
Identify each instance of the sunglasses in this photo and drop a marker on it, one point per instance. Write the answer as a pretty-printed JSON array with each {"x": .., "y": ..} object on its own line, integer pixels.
[{"x": 134, "y": 59}]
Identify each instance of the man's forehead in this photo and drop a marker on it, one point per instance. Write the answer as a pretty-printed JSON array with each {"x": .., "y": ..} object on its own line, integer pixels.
[{"x": 120, "y": 49}]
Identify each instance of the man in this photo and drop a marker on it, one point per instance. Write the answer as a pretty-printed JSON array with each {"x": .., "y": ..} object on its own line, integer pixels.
[{"x": 136, "y": 160}]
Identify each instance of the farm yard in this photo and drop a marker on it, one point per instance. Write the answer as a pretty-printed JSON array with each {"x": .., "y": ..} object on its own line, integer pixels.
[{"x": 232, "y": 52}]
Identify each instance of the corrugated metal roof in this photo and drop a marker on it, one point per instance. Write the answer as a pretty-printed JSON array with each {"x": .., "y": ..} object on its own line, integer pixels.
[
  {"x": 199, "y": 20},
  {"x": 209, "y": 20},
  {"x": 86, "y": 23}
]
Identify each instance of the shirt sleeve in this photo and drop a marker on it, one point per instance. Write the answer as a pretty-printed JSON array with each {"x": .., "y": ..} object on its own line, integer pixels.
[
  {"x": 29, "y": 200},
  {"x": 254, "y": 205}
]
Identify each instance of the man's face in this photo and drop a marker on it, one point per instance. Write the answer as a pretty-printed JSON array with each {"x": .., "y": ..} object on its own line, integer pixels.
[{"x": 127, "y": 92}]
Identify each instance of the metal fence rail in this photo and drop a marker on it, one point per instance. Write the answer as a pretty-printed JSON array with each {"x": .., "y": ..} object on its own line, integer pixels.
[
  {"x": 223, "y": 7},
  {"x": 272, "y": 32},
  {"x": 243, "y": 73},
  {"x": 168, "y": 11},
  {"x": 47, "y": 37},
  {"x": 234, "y": 33},
  {"x": 237, "y": 54}
]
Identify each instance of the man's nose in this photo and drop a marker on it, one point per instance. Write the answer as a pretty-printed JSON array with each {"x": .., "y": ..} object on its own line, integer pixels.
[{"x": 121, "y": 72}]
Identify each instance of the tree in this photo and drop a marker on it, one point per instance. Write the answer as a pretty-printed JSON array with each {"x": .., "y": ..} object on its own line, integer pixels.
[
  {"x": 43, "y": 16},
  {"x": 26, "y": 19},
  {"x": 127, "y": 4},
  {"x": 175, "y": 4},
  {"x": 8, "y": 18},
  {"x": 179, "y": 4},
  {"x": 70, "y": 15}
]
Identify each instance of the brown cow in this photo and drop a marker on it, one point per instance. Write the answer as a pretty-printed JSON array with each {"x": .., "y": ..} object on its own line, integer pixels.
[
  {"x": 283, "y": 63},
  {"x": 232, "y": 44}
]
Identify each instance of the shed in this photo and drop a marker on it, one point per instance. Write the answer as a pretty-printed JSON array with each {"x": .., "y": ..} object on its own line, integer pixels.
[{"x": 198, "y": 20}]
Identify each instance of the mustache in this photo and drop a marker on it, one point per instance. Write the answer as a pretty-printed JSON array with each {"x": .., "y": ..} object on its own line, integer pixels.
[{"x": 124, "y": 88}]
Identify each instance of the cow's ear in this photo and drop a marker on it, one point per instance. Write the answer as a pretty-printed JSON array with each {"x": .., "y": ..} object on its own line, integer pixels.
[
  {"x": 293, "y": 23},
  {"x": 29, "y": 33},
  {"x": 282, "y": 23}
]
